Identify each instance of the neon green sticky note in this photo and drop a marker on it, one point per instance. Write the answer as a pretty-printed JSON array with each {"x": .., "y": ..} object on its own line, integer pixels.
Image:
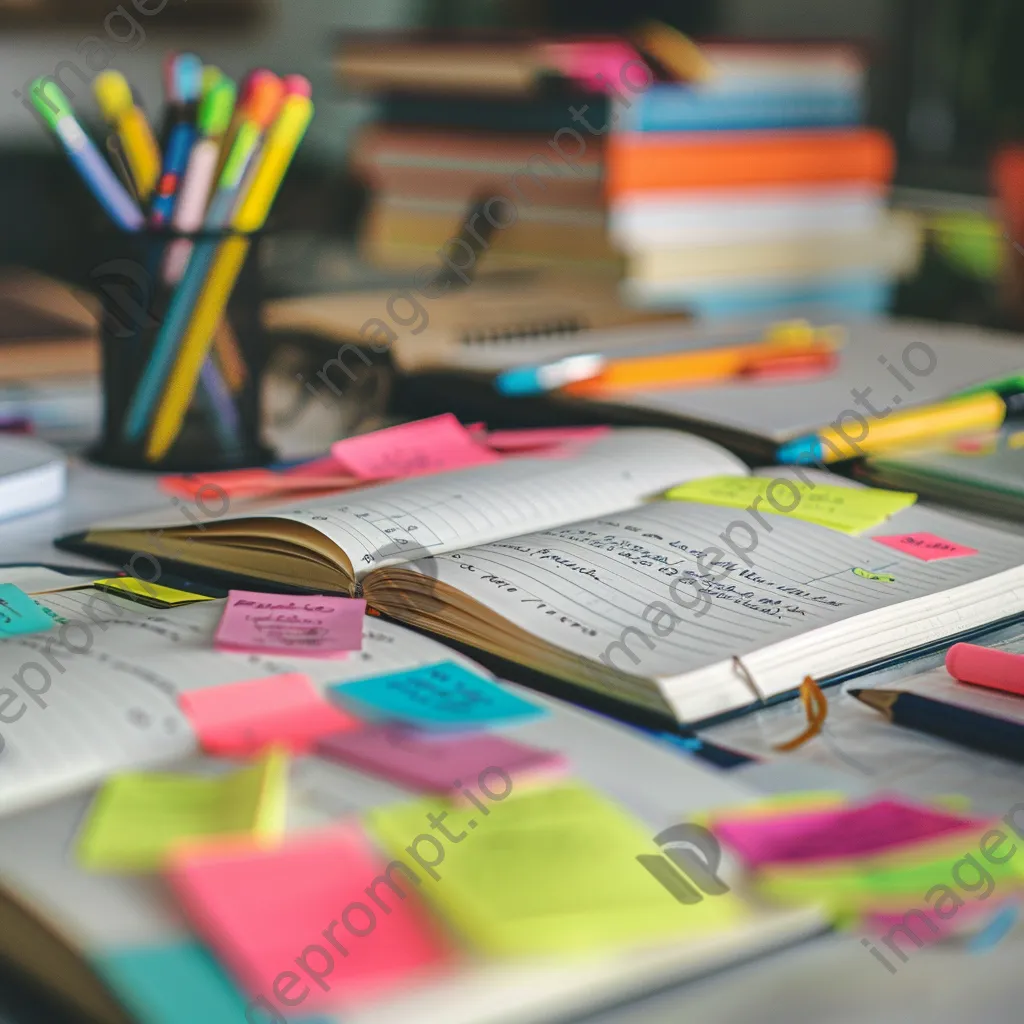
[
  {"x": 139, "y": 817},
  {"x": 847, "y": 509},
  {"x": 545, "y": 871},
  {"x": 154, "y": 594}
]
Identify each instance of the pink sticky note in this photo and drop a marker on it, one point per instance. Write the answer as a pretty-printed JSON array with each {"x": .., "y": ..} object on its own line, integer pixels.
[
  {"x": 309, "y": 627},
  {"x": 836, "y": 833},
  {"x": 925, "y": 546},
  {"x": 531, "y": 439},
  {"x": 241, "y": 719},
  {"x": 594, "y": 62},
  {"x": 300, "y": 925},
  {"x": 435, "y": 766},
  {"x": 435, "y": 445}
]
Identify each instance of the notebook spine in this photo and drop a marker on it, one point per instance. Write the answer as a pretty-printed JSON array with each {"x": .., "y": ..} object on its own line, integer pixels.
[{"x": 518, "y": 332}]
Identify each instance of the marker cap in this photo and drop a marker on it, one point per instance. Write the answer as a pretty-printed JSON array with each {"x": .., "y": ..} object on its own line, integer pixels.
[
  {"x": 113, "y": 94},
  {"x": 49, "y": 100},
  {"x": 216, "y": 109}
]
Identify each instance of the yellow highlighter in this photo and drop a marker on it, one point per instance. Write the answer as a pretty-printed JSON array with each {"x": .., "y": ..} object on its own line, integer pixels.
[
  {"x": 114, "y": 96},
  {"x": 259, "y": 192}
]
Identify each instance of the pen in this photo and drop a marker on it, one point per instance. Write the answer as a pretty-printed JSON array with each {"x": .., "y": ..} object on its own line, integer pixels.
[
  {"x": 982, "y": 411},
  {"x": 986, "y": 733},
  {"x": 260, "y": 108},
  {"x": 114, "y": 96},
  {"x": 536, "y": 380},
  {"x": 187, "y": 79},
  {"x": 55, "y": 109},
  {"x": 262, "y": 187}
]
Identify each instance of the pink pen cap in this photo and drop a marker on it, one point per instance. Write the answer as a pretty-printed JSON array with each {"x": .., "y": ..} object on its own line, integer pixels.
[
  {"x": 298, "y": 85},
  {"x": 983, "y": 666}
]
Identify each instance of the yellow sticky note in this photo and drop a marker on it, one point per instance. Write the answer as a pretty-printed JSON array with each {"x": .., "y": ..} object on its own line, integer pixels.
[
  {"x": 546, "y": 870},
  {"x": 847, "y": 509},
  {"x": 154, "y": 594},
  {"x": 139, "y": 817}
]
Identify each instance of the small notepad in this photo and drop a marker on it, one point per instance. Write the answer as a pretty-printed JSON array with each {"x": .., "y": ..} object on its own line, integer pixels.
[
  {"x": 437, "y": 765},
  {"x": 433, "y": 445},
  {"x": 19, "y": 614},
  {"x": 155, "y": 595},
  {"x": 440, "y": 696},
  {"x": 297, "y": 926},
  {"x": 138, "y": 818},
  {"x": 309, "y": 627},
  {"x": 241, "y": 719},
  {"x": 548, "y": 871},
  {"x": 847, "y": 509}
]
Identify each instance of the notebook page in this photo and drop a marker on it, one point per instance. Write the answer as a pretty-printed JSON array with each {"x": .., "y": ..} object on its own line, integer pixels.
[
  {"x": 627, "y": 590},
  {"x": 100, "y": 694},
  {"x": 424, "y": 516}
]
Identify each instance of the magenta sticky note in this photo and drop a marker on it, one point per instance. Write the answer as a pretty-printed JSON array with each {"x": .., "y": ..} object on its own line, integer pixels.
[
  {"x": 309, "y": 627},
  {"x": 435, "y": 445},
  {"x": 836, "y": 833},
  {"x": 437, "y": 766},
  {"x": 309, "y": 924},
  {"x": 925, "y": 546},
  {"x": 535, "y": 438},
  {"x": 242, "y": 719}
]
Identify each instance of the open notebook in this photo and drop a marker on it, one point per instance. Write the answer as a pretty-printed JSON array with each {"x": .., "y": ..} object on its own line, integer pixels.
[
  {"x": 564, "y": 565},
  {"x": 118, "y": 948}
]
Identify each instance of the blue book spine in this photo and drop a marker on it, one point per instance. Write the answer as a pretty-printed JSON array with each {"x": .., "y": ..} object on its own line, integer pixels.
[{"x": 673, "y": 108}]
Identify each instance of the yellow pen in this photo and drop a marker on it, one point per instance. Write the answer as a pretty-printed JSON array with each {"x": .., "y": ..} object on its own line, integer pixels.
[
  {"x": 280, "y": 146},
  {"x": 114, "y": 96}
]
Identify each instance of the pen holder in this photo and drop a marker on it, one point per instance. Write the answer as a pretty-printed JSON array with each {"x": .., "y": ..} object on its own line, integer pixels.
[{"x": 183, "y": 351}]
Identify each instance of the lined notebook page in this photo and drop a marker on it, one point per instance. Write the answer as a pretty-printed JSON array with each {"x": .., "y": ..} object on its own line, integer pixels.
[
  {"x": 581, "y": 586},
  {"x": 113, "y": 703},
  {"x": 412, "y": 518}
]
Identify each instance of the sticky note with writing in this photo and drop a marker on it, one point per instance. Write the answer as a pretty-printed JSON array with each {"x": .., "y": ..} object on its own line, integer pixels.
[
  {"x": 311, "y": 627},
  {"x": 440, "y": 696},
  {"x": 847, "y": 509},
  {"x": 19, "y": 614},
  {"x": 240, "y": 719},
  {"x": 139, "y": 817},
  {"x": 553, "y": 870},
  {"x": 926, "y": 546},
  {"x": 156, "y": 595},
  {"x": 434, "y": 445},
  {"x": 296, "y": 925},
  {"x": 434, "y": 765}
]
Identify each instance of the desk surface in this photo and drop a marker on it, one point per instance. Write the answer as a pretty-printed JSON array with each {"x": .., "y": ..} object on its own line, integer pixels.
[{"x": 833, "y": 980}]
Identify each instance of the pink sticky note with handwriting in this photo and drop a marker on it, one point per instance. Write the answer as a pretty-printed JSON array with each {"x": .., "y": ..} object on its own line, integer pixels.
[
  {"x": 308, "y": 627},
  {"x": 534, "y": 438},
  {"x": 279, "y": 918},
  {"x": 836, "y": 833},
  {"x": 436, "y": 445},
  {"x": 242, "y": 719},
  {"x": 925, "y": 546},
  {"x": 435, "y": 766}
]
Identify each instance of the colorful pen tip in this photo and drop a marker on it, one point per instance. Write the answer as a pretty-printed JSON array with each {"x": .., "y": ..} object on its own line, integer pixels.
[
  {"x": 188, "y": 77},
  {"x": 264, "y": 100},
  {"x": 297, "y": 85},
  {"x": 113, "y": 94},
  {"x": 49, "y": 100}
]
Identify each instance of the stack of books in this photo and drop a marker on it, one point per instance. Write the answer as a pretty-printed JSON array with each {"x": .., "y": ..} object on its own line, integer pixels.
[{"x": 756, "y": 191}]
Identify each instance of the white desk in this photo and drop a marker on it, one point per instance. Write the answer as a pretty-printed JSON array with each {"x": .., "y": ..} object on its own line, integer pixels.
[{"x": 831, "y": 981}]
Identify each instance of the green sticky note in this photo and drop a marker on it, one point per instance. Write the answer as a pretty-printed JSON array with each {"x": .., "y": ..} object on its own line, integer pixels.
[
  {"x": 19, "y": 614},
  {"x": 847, "y": 509},
  {"x": 545, "y": 871},
  {"x": 139, "y": 817}
]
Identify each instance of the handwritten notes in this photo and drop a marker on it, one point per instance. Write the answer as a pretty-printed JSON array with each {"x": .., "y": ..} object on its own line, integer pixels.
[
  {"x": 19, "y": 614},
  {"x": 441, "y": 696},
  {"x": 847, "y": 509},
  {"x": 548, "y": 871},
  {"x": 241, "y": 719},
  {"x": 434, "y": 765},
  {"x": 310, "y": 627},
  {"x": 138, "y": 818},
  {"x": 435, "y": 445},
  {"x": 295, "y": 924},
  {"x": 154, "y": 595},
  {"x": 926, "y": 546}
]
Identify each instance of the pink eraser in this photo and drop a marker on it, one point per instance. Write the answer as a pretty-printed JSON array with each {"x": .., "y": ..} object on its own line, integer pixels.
[{"x": 982, "y": 666}]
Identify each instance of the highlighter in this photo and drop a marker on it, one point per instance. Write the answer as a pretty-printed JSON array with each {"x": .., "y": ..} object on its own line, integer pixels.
[{"x": 114, "y": 96}]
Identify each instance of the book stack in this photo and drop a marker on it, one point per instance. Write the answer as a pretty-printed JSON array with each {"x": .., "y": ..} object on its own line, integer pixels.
[{"x": 756, "y": 191}]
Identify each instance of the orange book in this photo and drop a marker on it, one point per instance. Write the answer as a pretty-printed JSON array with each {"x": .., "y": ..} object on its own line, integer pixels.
[{"x": 710, "y": 160}]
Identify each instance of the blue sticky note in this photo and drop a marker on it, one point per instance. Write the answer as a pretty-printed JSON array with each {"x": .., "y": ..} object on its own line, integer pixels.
[
  {"x": 19, "y": 613},
  {"x": 440, "y": 696},
  {"x": 180, "y": 983}
]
